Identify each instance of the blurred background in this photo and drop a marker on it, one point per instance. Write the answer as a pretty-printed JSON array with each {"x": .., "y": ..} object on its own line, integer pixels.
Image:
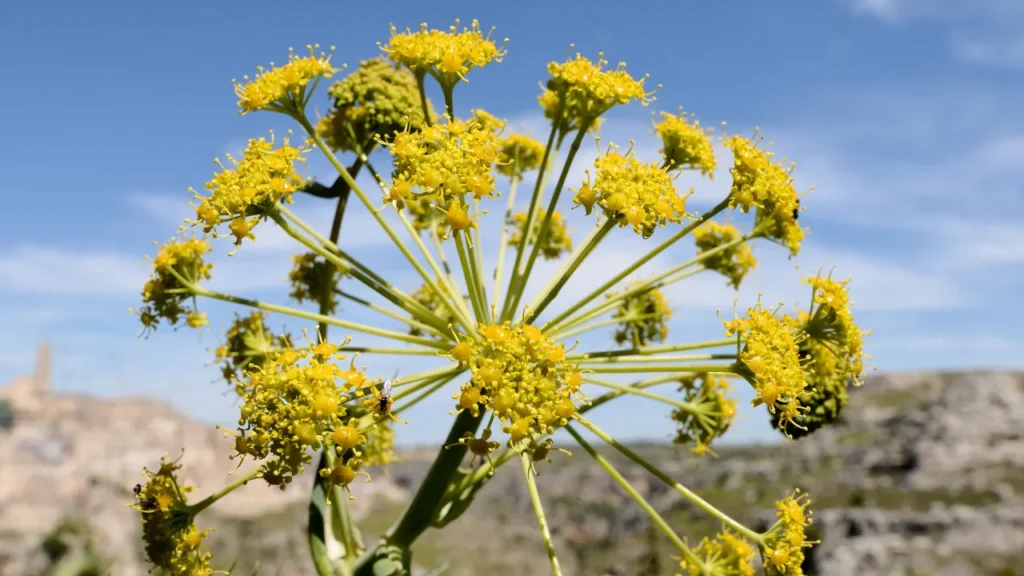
[{"x": 903, "y": 115}]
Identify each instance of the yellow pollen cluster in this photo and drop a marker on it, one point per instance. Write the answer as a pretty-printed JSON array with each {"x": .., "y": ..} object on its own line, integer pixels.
[
  {"x": 164, "y": 295},
  {"x": 569, "y": 119},
  {"x": 785, "y": 549},
  {"x": 686, "y": 144},
  {"x": 760, "y": 183},
  {"x": 271, "y": 88},
  {"x": 522, "y": 154},
  {"x": 644, "y": 317},
  {"x": 558, "y": 240},
  {"x": 248, "y": 342},
  {"x": 446, "y": 55},
  {"x": 444, "y": 163},
  {"x": 733, "y": 262},
  {"x": 488, "y": 121},
  {"x": 635, "y": 193},
  {"x": 522, "y": 377},
  {"x": 171, "y": 539},
  {"x": 314, "y": 279},
  {"x": 589, "y": 91},
  {"x": 240, "y": 195},
  {"x": 715, "y": 412},
  {"x": 726, "y": 555},
  {"x": 831, "y": 323},
  {"x": 292, "y": 404},
  {"x": 772, "y": 361}
]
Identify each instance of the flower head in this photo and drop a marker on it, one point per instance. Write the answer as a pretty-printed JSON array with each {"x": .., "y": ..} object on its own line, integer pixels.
[
  {"x": 569, "y": 119},
  {"x": 686, "y": 144},
  {"x": 448, "y": 56},
  {"x": 587, "y": 90},
  {"x": 293, "y": 404},
  {"x": 770, "y": 361},
  {"x": 172, "y": 540},
  {"x": 558, "y": 240},
  {"x": 242, "y": 195},
  {"x": 444, "y": 162},
  {"x": 761, "y": 183},
  {"x": 784, "y": 551},
  {"x": 725, "y": 555},
  {"x": 375, "y": 100},
  {"x": 643, "y": 317},
  {"x": 178, "y": 269},
  {"x": 249, "y": 342},
  {"x": 278, "y": 89},
  {"x": 632, "y": 192},
  {"x": 522, "y": 377},
  {"x": 732, "y": 262},
  {"x": 522, "y": 154},
  {"x": 314, "y": 279},
  {"x": 429, "y": 299},
  {"x": 713, "y": 415}
]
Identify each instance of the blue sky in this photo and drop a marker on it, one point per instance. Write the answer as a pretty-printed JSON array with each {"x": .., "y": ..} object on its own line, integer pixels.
[{"x": 903, "y": 114}]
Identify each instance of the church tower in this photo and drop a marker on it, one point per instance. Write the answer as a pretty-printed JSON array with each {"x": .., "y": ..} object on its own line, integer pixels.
[{"x": 41, "y": 378}]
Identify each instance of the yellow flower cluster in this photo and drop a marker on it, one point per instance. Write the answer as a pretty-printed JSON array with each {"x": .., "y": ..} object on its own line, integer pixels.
[
  {"x": 377, "y": 99},
  {"x": 488, "y": 121},
  {"x": 445, "y": 162},
  {"x": 644, "y": 317},
  {"x": 272, "y": 88},
  {"x": 241, "y": 195},
  {"x": 522, "y": 153},
  {"x": 558, "y": 240},
  {"x": 429, "y": 299},
  {"x": 314, "y": 279},
  {"x": 570, "y": 119},
  {"x": 715, "y": 411},
  {"x": 760, "y": 183},
  {"x": 587, "y": 90},
  {"x": 726, "y": 555},
  {"x": 733, "y": 262},
  {"x": 249, "y": 342},
  {"x": 522, "y": 377},
  {"x": 164, "y": 295},
  {"x": 446, "y": 55},
  {"x": 771, "y": 359},
  {"x": 785, "y": 548},
  {"x": 633, "y": 192},
  {"x": 172, "y": 541},
  {"x": 685, "y": 144},
  {"x": 292, "y": 405}
]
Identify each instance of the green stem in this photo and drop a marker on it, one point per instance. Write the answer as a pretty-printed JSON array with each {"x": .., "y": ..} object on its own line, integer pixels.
[
  {"x": 479, "y": 308},
  {"x": 687, "y": 368},
  {"x": 449, "y": 277},
  {"x": 421, "y": 86},
  {"x": 653, "y": 349},
  {"x": 604, "y": 288},
  {"x": 389, "y": 313},
  {"x": 550, "y": 292},
  {"x": 400, "y": 351},
  {"x": 648, "y": 383},
  {"x": 503, "y": 243},
  {"x": 435, "y": 386},
  {"x": 686, "y": 406},
  {"x": 669, "y": 358},
  {"x": 205, "y": 503},
  {"x": 545, "y": 226},
  {"x": 538, "y": 509},
  {"x": 655, "y": 517},
  {"x": 478, "y": 263},
  {"x": 601, "y": 324},
  {"x": 684, "y": 491}
]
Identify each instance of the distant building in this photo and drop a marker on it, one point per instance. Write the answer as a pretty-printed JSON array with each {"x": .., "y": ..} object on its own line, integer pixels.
[{"x": 29, "y": 394}]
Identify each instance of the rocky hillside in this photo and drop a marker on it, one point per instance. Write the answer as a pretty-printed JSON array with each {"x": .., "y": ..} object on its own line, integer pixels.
[{"x": 924, "y": 475}]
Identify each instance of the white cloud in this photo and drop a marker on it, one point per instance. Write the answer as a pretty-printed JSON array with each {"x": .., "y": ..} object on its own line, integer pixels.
[{"x": 62, "y": 272}]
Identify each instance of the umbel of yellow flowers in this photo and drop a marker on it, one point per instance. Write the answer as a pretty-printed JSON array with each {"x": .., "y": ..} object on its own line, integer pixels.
[{"x": 518, "y": 374}]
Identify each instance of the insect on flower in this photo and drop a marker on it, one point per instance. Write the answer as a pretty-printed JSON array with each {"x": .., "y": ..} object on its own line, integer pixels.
[{"x": 384, "y": 402}]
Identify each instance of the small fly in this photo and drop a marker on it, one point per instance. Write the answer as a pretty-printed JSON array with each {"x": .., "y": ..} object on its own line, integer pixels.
[{"x": 384, "y": 400}]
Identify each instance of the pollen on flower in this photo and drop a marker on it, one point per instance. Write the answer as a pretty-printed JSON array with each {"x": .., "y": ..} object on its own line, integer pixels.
[
  {"x": 165, "y": 296},
  {"x": 314, "y": 279},
  {"x": 558, "y": 240},
  {"x": 377, "y": 99},
  {"x": 171, "y": 539},
  {"x": 733, "y": 262},
  {"x": 643, "y": 317},
  {"x": 488, "y": 121},
  {"x": 271, "y": 89},
  {"x": 713, "y": 415},
  {"x": 767, "y": 186},
  {"x": 444, "y": 163},
  {"x": 293, "y": 404},
  {"x": 632, "y": 192},
  {"x": 726, "y": 554},
  {"x": 770, "y": 361},
  {"x": 522, "y": 377},
  {"x": 248, "y": 342},
  {"x": 241, "y": 195},
  {"x": 785, "y": 545},
  {"x": 686, "y": 144},
  {"x": 589, "y": 90},
  {"x": 448, "y": 56},
  {"x": 523, "y": 154}
]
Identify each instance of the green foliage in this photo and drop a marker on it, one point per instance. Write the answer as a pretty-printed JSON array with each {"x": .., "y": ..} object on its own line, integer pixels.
[{"x": 6, "y": 415}]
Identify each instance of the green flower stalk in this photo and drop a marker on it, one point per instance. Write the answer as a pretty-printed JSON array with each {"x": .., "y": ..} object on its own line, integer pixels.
[{"x": 519, "y": 377}]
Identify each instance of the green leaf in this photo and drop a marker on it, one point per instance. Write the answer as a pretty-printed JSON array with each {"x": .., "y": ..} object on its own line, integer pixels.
[{"x": 315, "y": 532}]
